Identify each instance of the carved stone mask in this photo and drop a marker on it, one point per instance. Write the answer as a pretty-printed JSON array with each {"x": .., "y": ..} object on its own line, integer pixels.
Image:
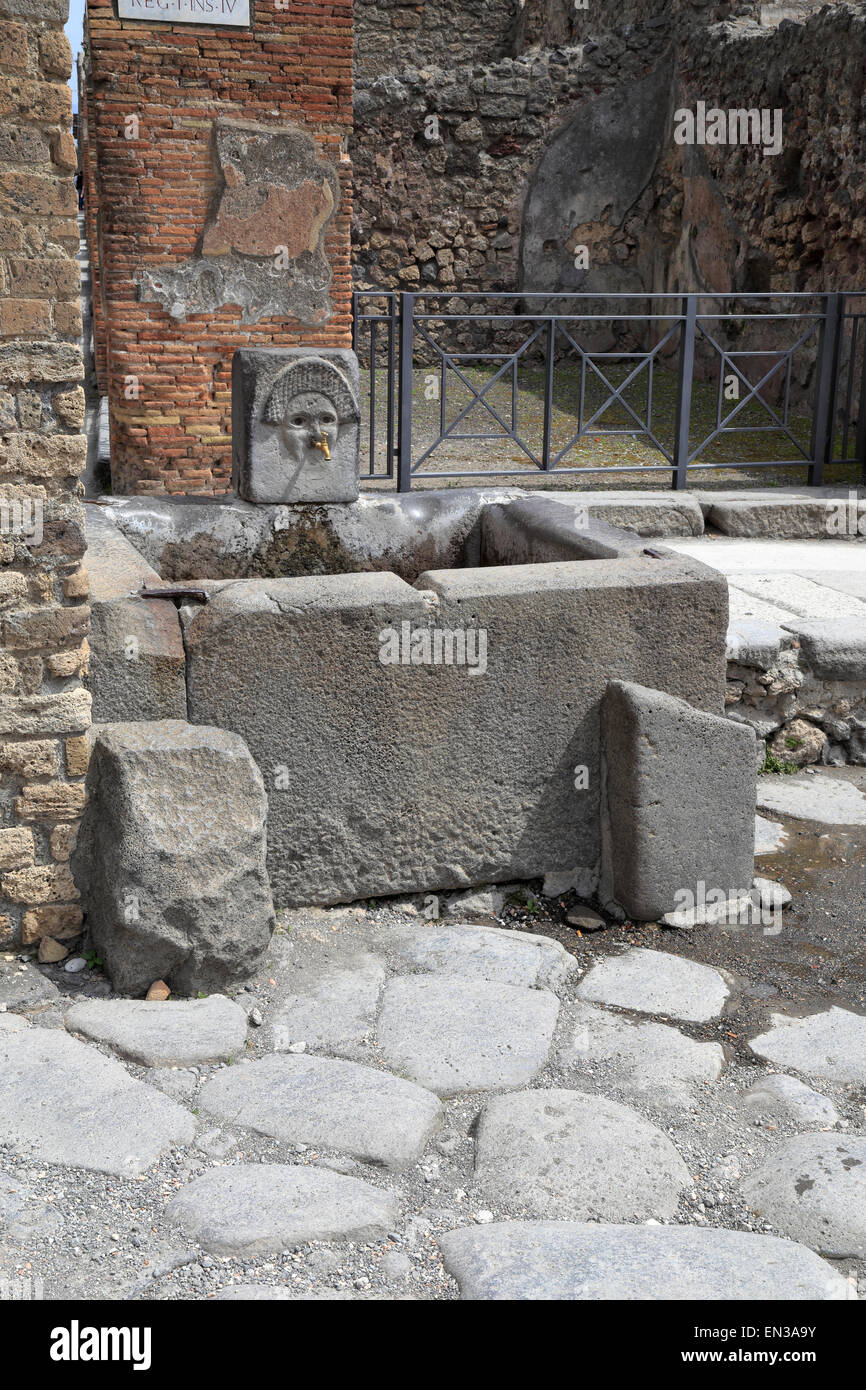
[{"x": 310, "y": 428}]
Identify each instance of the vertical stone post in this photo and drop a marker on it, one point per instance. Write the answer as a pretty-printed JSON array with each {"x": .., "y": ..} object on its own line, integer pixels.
[{"x": 44, "y": 617}]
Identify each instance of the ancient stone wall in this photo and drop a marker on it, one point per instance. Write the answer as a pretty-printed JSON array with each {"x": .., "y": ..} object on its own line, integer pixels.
[
  {"x": 218, "y": 160},
  {"x": 492, "y": 177},
  {"x": 391, "y": 35},
  {"x": 44, "y": 711},
  {"x": 442, "y": 167}
]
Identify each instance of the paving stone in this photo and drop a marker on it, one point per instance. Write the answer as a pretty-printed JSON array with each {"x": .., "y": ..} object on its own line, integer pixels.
[
  {"x": 23, "y": 987},
  {"x": 452, "y": 1035},
  {"x": 829, "y": 1046},
  {"x": 653, "y": 1062},
  {"x": 813, "y": 1189},
  {"x": 320, "y": 1101},
  {"x": 656, "y": 982},
  {"x": 175, "y": 1033},
  {"x": 333, "y": 1007},
  {"x": 568, "y": 1261},
  {"x": 577, "y": 1157},
  {"x": 262, "y": 1293},
  {"x": 785, "y": 1098},
  {"x": 487, "y": 902},
  {"x": 485, "y": 953},
  {"x": 262, "y": 1208},
  {"x": 63, "y": 1102},
  {"x": 813, "y": 796},
  {"x": 22, "y": 1217},
  {"x": 770, "y": 835}
]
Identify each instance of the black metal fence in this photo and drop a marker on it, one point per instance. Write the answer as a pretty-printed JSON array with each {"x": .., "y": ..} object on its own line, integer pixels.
[{"x": 465, "y": 385}]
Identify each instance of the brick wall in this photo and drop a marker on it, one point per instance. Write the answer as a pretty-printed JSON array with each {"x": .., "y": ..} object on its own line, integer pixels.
[
  {"x": 44, "y": 712},
  {"x": 156, "y": 95}
]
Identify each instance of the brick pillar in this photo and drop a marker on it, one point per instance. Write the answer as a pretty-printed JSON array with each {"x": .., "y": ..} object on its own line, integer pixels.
[
  {"x": 44, "y": 711},
  {"x": 223, "y": 199}
]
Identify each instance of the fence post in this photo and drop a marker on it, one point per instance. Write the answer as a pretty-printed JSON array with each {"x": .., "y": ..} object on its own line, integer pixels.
[
  {"x": 860, "y": 437},
  {"x": 354, "y": 320},
  {"x": 404, "y": 397},
  {"x": 684, "y": 391},
  {"x": 548, "y": 396},
  {"x": 822, "y": 425}
]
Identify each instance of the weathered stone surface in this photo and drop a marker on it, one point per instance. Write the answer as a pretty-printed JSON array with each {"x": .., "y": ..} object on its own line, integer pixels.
[
  {"x": 295, "y": 425},
  {"x": 785, "y": 1098},
  {"x": 484, "y": 762},
  {"x": 181, "y": 1033},
  {"x": 260, "y": 1209},
  {"x": 263, "y": 245},
  {"x": 368, "y": 1114},
  {"x": 565, "y": 1261},
  {"x": 332, "y": 1008},
  {"x": 652, "y": 1062},
  {"x": 835, "y": 650},
  {"x": 136, "y": 668},
  {"x": 576, "y": 1157},
  {"x": 170, "y": 858},
  {"x": 798, "y": 742},
  {"x": 825, "y": 799},
  {"x": 23, "y": 987},
  {"x": 656, "y": 982},
  {"x": 813, "y": 1189},
  {"x": 680, "y": 800},
  {"x": 829, "y": 1046},
  {"x": 454, "y": 1035},
  {"x": 63, "y": 1102},
  {"x": 485, "y": 953}
]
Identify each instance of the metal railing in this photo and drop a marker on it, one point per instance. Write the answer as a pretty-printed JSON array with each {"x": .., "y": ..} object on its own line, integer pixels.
[{"x": 476, "y": 381}]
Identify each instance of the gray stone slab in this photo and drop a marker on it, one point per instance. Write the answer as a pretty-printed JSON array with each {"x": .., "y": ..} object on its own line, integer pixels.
[
  {"x": 454, "y": 1035},
  {"x": 261, "y": 1209},
  {"x": 485, "y": 762},
  {"x": 295, "y": 424},
  {"x": 853, "y": 583},
  {"x": 333, "y": 1007},
  {"x": 679, "y": 801},
  {"x": 657, "y": 982},
  {"x": 813, "y": 1189},
  {"x": 170, "y": 858},
  {"x": 114, "y": 566},
  {"x": 171, "y": 1033},
  {"x": 791, "y": 518},
  {"x": 646, "y": 513},
  {"x": 565, "y": 1261},
  {"x": 576, "y": 1157},
  {"x": 786, "y": 1098},
  {"x": 752, "y": 642},
  {"x": 770, "y": 836},
  {"x": 357, "y": 1110},
  {"x": 485, "y": 953},
  {"x": 137, "y": 666},
  {"x": 63, "y": 1102},
  {"x": 23, "y": 987},
  {"x": 817, "y": 797},
  {"x": 829, "y": 1046},
  {"x": 834, "y": 649},
  {"x": 806, "y": 600},
  {"x": 652, "y": 1062}
]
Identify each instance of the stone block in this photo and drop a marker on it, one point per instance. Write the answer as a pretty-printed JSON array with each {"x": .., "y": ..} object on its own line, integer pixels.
[
  {"x": 295, "y": 425},
  {"x": 137, "y": 663},
  {"x": 171, "y": 857},
  {"x": 388, "y": 773},
  {"x": 680, "y": 797}
]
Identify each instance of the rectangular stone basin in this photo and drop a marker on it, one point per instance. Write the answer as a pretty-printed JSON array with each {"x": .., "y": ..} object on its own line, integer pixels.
[{"x": 389, "y": 767}]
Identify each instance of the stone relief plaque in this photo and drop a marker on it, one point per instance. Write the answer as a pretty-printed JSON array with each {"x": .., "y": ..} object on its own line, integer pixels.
[
  {"x": 295, "y": 425},
  {"x": 236, "y": 12}
]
